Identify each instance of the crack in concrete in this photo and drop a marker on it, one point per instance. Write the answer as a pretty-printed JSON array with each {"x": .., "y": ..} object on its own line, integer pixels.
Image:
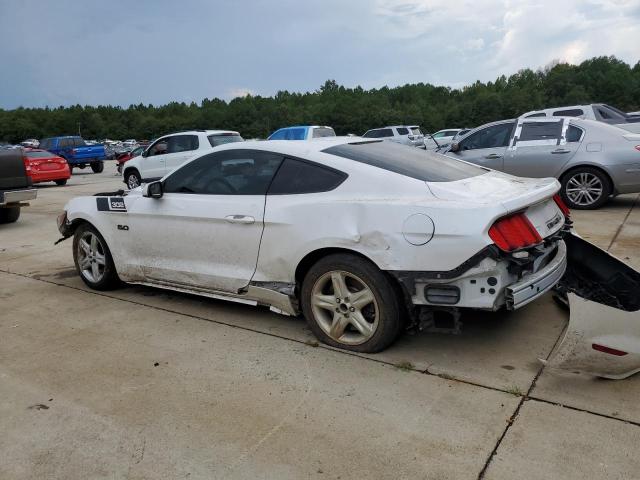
[{"x": 621, "y": 226}]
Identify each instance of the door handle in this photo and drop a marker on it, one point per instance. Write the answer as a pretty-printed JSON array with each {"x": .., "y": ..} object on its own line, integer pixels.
[
  {"x": 493, "y": 156},
  {"x": 560, "y": 150},
  {"x": 245, "y": 219}
]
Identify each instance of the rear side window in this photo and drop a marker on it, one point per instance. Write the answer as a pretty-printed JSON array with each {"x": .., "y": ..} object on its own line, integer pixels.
[
  {"x": 402, "y": 131},
  {"x": 575, "y": 112},
  {"x": 295, "y": 134},
  {"x": 574, "y": 134},
  {"x": 534, "y": 115},
  {"x": 296, "y": 176},
  {"x": 78, "y": 142},
  {"x": 540, "y": 131},
  {"x": 322, "y": 132},
  {"x": 379, "y": 133},
  {"x": 222, "y": 138},
  {"x": 182, "y": 143},
  {"x": 408, "y": 161}
]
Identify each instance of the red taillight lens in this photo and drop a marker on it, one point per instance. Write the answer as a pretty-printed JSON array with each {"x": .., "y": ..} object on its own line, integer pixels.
[
  {"x": 637, "y": 147},
  {"x": 27, "y": 165},
  {"x": 609, "y": 350},
  {"x": 562, "y": 206},
  {"x": 514, "y": 232},
  {"x": 73, "y": 151}
]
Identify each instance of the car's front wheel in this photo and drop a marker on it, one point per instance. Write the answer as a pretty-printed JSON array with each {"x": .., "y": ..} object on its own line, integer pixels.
[
  {"x": 585, "y": 188},
  {"x": 93, "y": 259},
  {"x": 349, "y": 303},
  {"x": 132, "y": 179}
]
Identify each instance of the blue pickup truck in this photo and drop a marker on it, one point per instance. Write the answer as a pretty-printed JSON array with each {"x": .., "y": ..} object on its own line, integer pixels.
[{"x": 76, "y": 152}]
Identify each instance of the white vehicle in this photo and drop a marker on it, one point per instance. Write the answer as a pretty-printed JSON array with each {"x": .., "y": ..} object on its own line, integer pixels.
[
  {"x": 130, "y": 143},
  {"x": 445, "y": 137},
  {"x": 405, "y": 134},
  {"x": 363, "y": 237},
  {"x": 170, "y": 151},
  {"x": 595, "y": 111},
  {"x": 30, "y": 143}
]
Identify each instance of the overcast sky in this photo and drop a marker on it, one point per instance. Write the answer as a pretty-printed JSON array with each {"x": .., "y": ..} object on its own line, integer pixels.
[{"x": 154, "y": 51}]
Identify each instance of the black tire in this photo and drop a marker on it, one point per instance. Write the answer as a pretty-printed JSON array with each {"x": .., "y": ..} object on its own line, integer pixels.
[
  {"x": 9, "y": 215},
  {"x": 585, "y": 175},
  {"x": 97, "y": 167},
  {"x": 385, "y": 306},
  {"x": 61, "y": 182},
  {"x": 109, "y": 278},
  {"x": 132, "y": 179}
]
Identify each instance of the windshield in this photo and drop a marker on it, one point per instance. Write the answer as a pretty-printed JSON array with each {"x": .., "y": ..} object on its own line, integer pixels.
[
  {"x": 222, "y": 138},
  {"x": 415, "y": 130},
  {"x": 405, "y": 160},
  {"x": 38, "y": 155}
]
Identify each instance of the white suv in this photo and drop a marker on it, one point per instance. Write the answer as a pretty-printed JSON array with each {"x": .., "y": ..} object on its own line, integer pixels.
[
  {"x": 407, "y": 135},
  {"x": 170, "y": 151}
]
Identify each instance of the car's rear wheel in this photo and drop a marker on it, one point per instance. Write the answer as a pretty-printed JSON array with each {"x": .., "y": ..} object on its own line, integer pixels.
[
  {"x": 97, "y": 167},
  {"x": 9, "y": 215},
  {"x": 349, "y": 303},
  {"x": 93, "y": 259},
  {"x": 132, "y": 179},
  {"x": 585, "y": 188},
  {"x": 61, "y": 182}
]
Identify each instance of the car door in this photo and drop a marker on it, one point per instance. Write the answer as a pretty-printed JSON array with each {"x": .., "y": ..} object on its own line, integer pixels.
[
  {"x": 154, "y": 159},
  {"x": 487, "y": 146},
  {"x": 540, "y": 147},
  {"x": 204, "y": 232},
  {"x": 180, "y": 149}
]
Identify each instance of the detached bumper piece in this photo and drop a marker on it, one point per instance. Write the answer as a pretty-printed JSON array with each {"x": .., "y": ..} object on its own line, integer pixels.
[{"x": 603, "y": 335}]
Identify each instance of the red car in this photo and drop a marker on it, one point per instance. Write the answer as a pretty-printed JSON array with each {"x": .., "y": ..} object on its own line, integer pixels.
[
  {"x": 43, "y": 166},
  {"x": 125, "y": 157}
]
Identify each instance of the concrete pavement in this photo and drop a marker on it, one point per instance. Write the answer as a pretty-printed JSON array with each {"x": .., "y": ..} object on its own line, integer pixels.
[{"x": 142, "y": 383}]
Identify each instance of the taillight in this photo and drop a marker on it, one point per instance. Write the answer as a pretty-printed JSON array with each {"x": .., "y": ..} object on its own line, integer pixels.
[
  {"x": 73, "y": 151},
  {"x": 514, "y": 232},
  {"x": 27, "y": 165},
  {"x": 609, "y": 350},
  {"x": 562, "y": 206},
  {"x": 637, "y": 147}
]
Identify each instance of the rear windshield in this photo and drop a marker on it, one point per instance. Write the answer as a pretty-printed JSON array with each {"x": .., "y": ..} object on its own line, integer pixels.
[
  {"x": 320, "y": 132},
  {"x": 405, "y": 160},
  {"x": 222, "y": 138},
  {"x": 415, "y": 130},
  {"x": 37, "y": 154}
]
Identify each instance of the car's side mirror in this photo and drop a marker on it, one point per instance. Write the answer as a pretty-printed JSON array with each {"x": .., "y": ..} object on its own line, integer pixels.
[
  {"x": 152, "y": 190},
  {"x": 455, "y": 147},
  {"x": 144, "y": 153}
]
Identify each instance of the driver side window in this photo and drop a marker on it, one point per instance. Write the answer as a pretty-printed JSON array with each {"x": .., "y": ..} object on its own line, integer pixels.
[
  {"x": 236, "y": 172},
  {"x": 490, "y": 137},
  {"x": 159, "y": 148}
]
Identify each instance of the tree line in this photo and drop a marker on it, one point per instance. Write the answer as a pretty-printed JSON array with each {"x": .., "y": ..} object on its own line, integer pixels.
[{"x": 347, "y": 110}]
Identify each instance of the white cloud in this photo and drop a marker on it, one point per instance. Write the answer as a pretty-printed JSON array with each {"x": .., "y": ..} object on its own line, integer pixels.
[{"x": 240, "y": 92}]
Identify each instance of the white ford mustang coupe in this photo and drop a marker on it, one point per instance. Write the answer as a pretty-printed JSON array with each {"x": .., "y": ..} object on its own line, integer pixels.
[{"x": 364, "y": 238}]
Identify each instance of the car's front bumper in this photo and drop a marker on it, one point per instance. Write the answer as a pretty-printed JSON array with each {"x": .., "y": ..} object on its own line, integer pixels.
[
  {"x": 535, "y": 284},
  {"x": 17, "y": 196}
]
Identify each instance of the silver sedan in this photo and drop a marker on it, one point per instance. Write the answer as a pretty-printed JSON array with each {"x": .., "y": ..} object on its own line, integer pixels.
[{"x": 592, "y": 160}]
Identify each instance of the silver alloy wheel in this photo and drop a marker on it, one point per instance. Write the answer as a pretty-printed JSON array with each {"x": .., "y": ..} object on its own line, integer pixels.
[
  {"x": 91, "y": 257},
  {"x": 344, "y": 307},
  {"x": 132, "y": 181},
  {"x": 584, "y": 189}
]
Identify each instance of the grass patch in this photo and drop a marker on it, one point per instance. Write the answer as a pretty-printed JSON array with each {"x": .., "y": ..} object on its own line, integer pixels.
[
  {"x": 514, "y": 390},
  {"x": 404, "y": 366}
]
